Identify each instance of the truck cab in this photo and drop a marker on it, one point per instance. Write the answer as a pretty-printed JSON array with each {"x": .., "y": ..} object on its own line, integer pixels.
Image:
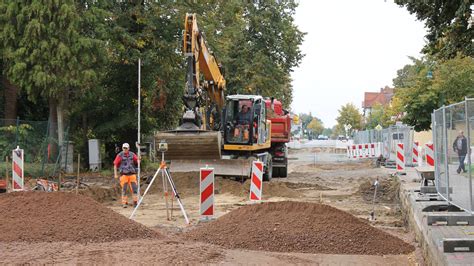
[{"x": 246, "y": 127}]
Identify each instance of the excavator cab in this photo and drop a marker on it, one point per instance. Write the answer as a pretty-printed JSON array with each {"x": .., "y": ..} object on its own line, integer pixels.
[{"x": 245, "y": 122}]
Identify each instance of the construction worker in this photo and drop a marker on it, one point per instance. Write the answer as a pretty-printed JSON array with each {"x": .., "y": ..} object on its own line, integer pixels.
[{"x": 126, "y": 161}]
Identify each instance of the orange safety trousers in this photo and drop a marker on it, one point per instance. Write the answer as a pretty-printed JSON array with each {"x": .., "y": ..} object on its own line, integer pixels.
[{"x": 131, "y": 182}]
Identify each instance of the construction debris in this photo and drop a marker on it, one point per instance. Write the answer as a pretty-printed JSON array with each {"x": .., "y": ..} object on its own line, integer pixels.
[{"x": 298, "y": 227}]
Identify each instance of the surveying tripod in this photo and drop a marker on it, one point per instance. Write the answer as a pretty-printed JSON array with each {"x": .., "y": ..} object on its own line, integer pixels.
[{"x": 166, "y": 178}]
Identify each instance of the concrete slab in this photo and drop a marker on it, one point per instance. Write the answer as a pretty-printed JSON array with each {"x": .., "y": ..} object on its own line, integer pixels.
[{"x": 441, "y": 245}]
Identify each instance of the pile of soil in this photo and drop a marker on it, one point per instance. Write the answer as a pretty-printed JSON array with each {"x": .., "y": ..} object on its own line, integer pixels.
[
  {"x": 298, "y": 227},
  {"x": 102, "y": 194},
  {"x": 61, "y": 216},
  {"x": 388, "y": 190}
]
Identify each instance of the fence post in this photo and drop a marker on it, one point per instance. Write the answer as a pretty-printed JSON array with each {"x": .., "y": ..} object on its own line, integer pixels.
[
  {"x": 6, "y": 172},
  {"x": 446, "y": 153},
  {"x": 17, "y": 130},
  {"x": 435, "y": 153},
  {"x": 466, "y": 116}
]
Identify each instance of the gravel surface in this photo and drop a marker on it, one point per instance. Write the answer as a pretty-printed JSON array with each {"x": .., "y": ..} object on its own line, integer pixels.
[
  {"x": 60, "y": 216},
  {"x": 298, "y": 227}
]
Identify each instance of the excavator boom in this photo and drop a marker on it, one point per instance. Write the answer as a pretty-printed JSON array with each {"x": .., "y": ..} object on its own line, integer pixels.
[{"x": 197, "y": 141}]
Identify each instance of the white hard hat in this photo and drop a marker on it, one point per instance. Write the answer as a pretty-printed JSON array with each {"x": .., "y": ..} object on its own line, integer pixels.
[{"x": 125, "y": 145}]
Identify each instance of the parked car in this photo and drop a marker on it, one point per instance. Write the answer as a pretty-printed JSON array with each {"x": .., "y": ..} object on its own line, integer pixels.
[{"x": 322, "y": 137}]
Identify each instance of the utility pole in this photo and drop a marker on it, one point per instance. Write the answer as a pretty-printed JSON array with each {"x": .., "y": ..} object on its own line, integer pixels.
[{"x": 139, "y": 137}]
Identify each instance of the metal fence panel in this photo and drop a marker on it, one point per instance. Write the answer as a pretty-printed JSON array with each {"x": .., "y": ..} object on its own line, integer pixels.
[
  {"x": 454, "y": 182},
  {"x": 34, "y": 138},
  {"x": 441, "y": 180}
]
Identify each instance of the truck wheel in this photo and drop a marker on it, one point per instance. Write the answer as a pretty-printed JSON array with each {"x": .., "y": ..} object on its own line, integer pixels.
[
  {"x": 267, "y": 176},
  {"x": 276, "y": 172},
  {"x": 284, "y": 171}
]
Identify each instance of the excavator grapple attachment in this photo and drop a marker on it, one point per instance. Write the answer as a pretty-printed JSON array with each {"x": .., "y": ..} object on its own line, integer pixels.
[
  {"x": 191, "y": 145},
  {"x": 222, "y": 167}
]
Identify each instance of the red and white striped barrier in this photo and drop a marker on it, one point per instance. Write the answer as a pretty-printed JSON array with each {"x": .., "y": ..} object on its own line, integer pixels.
[
  {"x": 366, "y": 150},
  {"x": 206, "y": 209},
  {"x": 372, "y": 150},
  {"x": 256, "y": 181},
  {"x": 18, "y": 169},
  {"x": 415, "y": 153},
  {"x": 400, "y": 158},
  {"x": 429, "y": 151}
]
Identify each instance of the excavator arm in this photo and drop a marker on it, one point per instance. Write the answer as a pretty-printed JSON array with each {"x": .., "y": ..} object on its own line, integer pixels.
[{"x": 205, "y": 83}]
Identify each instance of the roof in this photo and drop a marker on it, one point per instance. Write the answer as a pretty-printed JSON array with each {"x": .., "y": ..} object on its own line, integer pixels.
[
  {"x": 383, "y": 97},
  {"x": 244, "y": 97}
]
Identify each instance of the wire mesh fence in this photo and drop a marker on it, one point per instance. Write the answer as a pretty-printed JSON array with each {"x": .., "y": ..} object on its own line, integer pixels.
[
  {"x": 453, "y": 128},
  {"x": 389, "y": 137},
  {"x": 41, "y": 147}
]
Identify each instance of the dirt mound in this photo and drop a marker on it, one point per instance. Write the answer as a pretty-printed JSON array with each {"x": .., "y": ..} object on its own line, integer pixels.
[
  {"x": 102, "y": 194},
  {"x": 61, "y": 216},
  {"x": 298, "y": 227},
  {"x": 387, "y": 191}
]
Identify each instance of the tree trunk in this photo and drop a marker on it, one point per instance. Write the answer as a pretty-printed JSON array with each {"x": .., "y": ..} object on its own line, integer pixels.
[
  {"x": 11, "y": 95},
  {"x": 85, "y": 128},
  {"x": 53, "y": 122}
]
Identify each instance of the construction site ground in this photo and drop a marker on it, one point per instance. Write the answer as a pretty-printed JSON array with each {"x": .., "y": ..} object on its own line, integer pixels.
[{"x": 318, "y": 176}]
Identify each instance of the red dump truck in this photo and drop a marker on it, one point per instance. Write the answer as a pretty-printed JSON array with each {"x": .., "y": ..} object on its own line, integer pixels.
[{"x": 281, "y": 134}]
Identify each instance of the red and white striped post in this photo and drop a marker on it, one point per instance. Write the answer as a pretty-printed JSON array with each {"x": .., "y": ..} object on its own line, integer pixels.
[
  {"x": 372, "y": 150},
  {"x": 256, "y": 181},
  {"x": 206, "y": 209},
  {"x": 361, "y": 151},
  {"x": 354, "y": 151},
  {"x": 367, "y": 150},
  {"x": 415, "y": 154},
  {"x": 18, "y": 171},
  {"x": 429, "y": 151},
  {"x": 400, "y": 158}
]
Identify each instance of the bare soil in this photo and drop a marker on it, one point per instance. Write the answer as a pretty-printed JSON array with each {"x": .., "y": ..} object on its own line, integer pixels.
[
  {"x": 298, "y": 227},
  {"x": 328, "y": 180},
  {"x": 61, "y": 216}
]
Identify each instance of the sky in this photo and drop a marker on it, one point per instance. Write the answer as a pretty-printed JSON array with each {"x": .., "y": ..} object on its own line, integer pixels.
[{"x": 350, "y": 47}]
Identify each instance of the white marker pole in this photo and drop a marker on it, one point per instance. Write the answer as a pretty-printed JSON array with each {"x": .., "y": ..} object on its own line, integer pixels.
[{"x": 138, "y": 138}]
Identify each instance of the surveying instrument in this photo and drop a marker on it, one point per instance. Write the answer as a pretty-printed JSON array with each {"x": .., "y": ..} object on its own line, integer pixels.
[{"x": 166, "y": 179}]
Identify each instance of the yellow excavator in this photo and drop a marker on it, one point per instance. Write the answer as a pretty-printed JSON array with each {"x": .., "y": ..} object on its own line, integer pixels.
[{"x": 224, "y": 132}]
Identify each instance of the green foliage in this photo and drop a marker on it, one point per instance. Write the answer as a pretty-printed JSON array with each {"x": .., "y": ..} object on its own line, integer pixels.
[
  {"x": 44, "y": 50},
  {"x": 305, "y": 119},
  {"x": 315, "y": 126},
  {"x": 379, "y": 115},
  {"x": 452, "y": 81},
  {"x": 86, "y": 52},
  {"x": 447, "y": 21},
  {"x": 348, "y": 115},
  {"x": 327, "y": 132}
]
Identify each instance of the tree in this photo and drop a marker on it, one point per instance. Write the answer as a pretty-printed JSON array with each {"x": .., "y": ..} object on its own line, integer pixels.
[
  {"x": 315, "y": 126},
  {"x": 46, "y": 54},
  {"x": 452, "y": 81},
  {"x": 266, "y": 53},
  {"x": 327, "y": 132},
  {"x": 305, "y": 119},
  {"x": 448, "y": 24},
  {"x": 348, "y": 115},
  {"x": 406, "y": 77},
  {"x": 379, "y": 115}
]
